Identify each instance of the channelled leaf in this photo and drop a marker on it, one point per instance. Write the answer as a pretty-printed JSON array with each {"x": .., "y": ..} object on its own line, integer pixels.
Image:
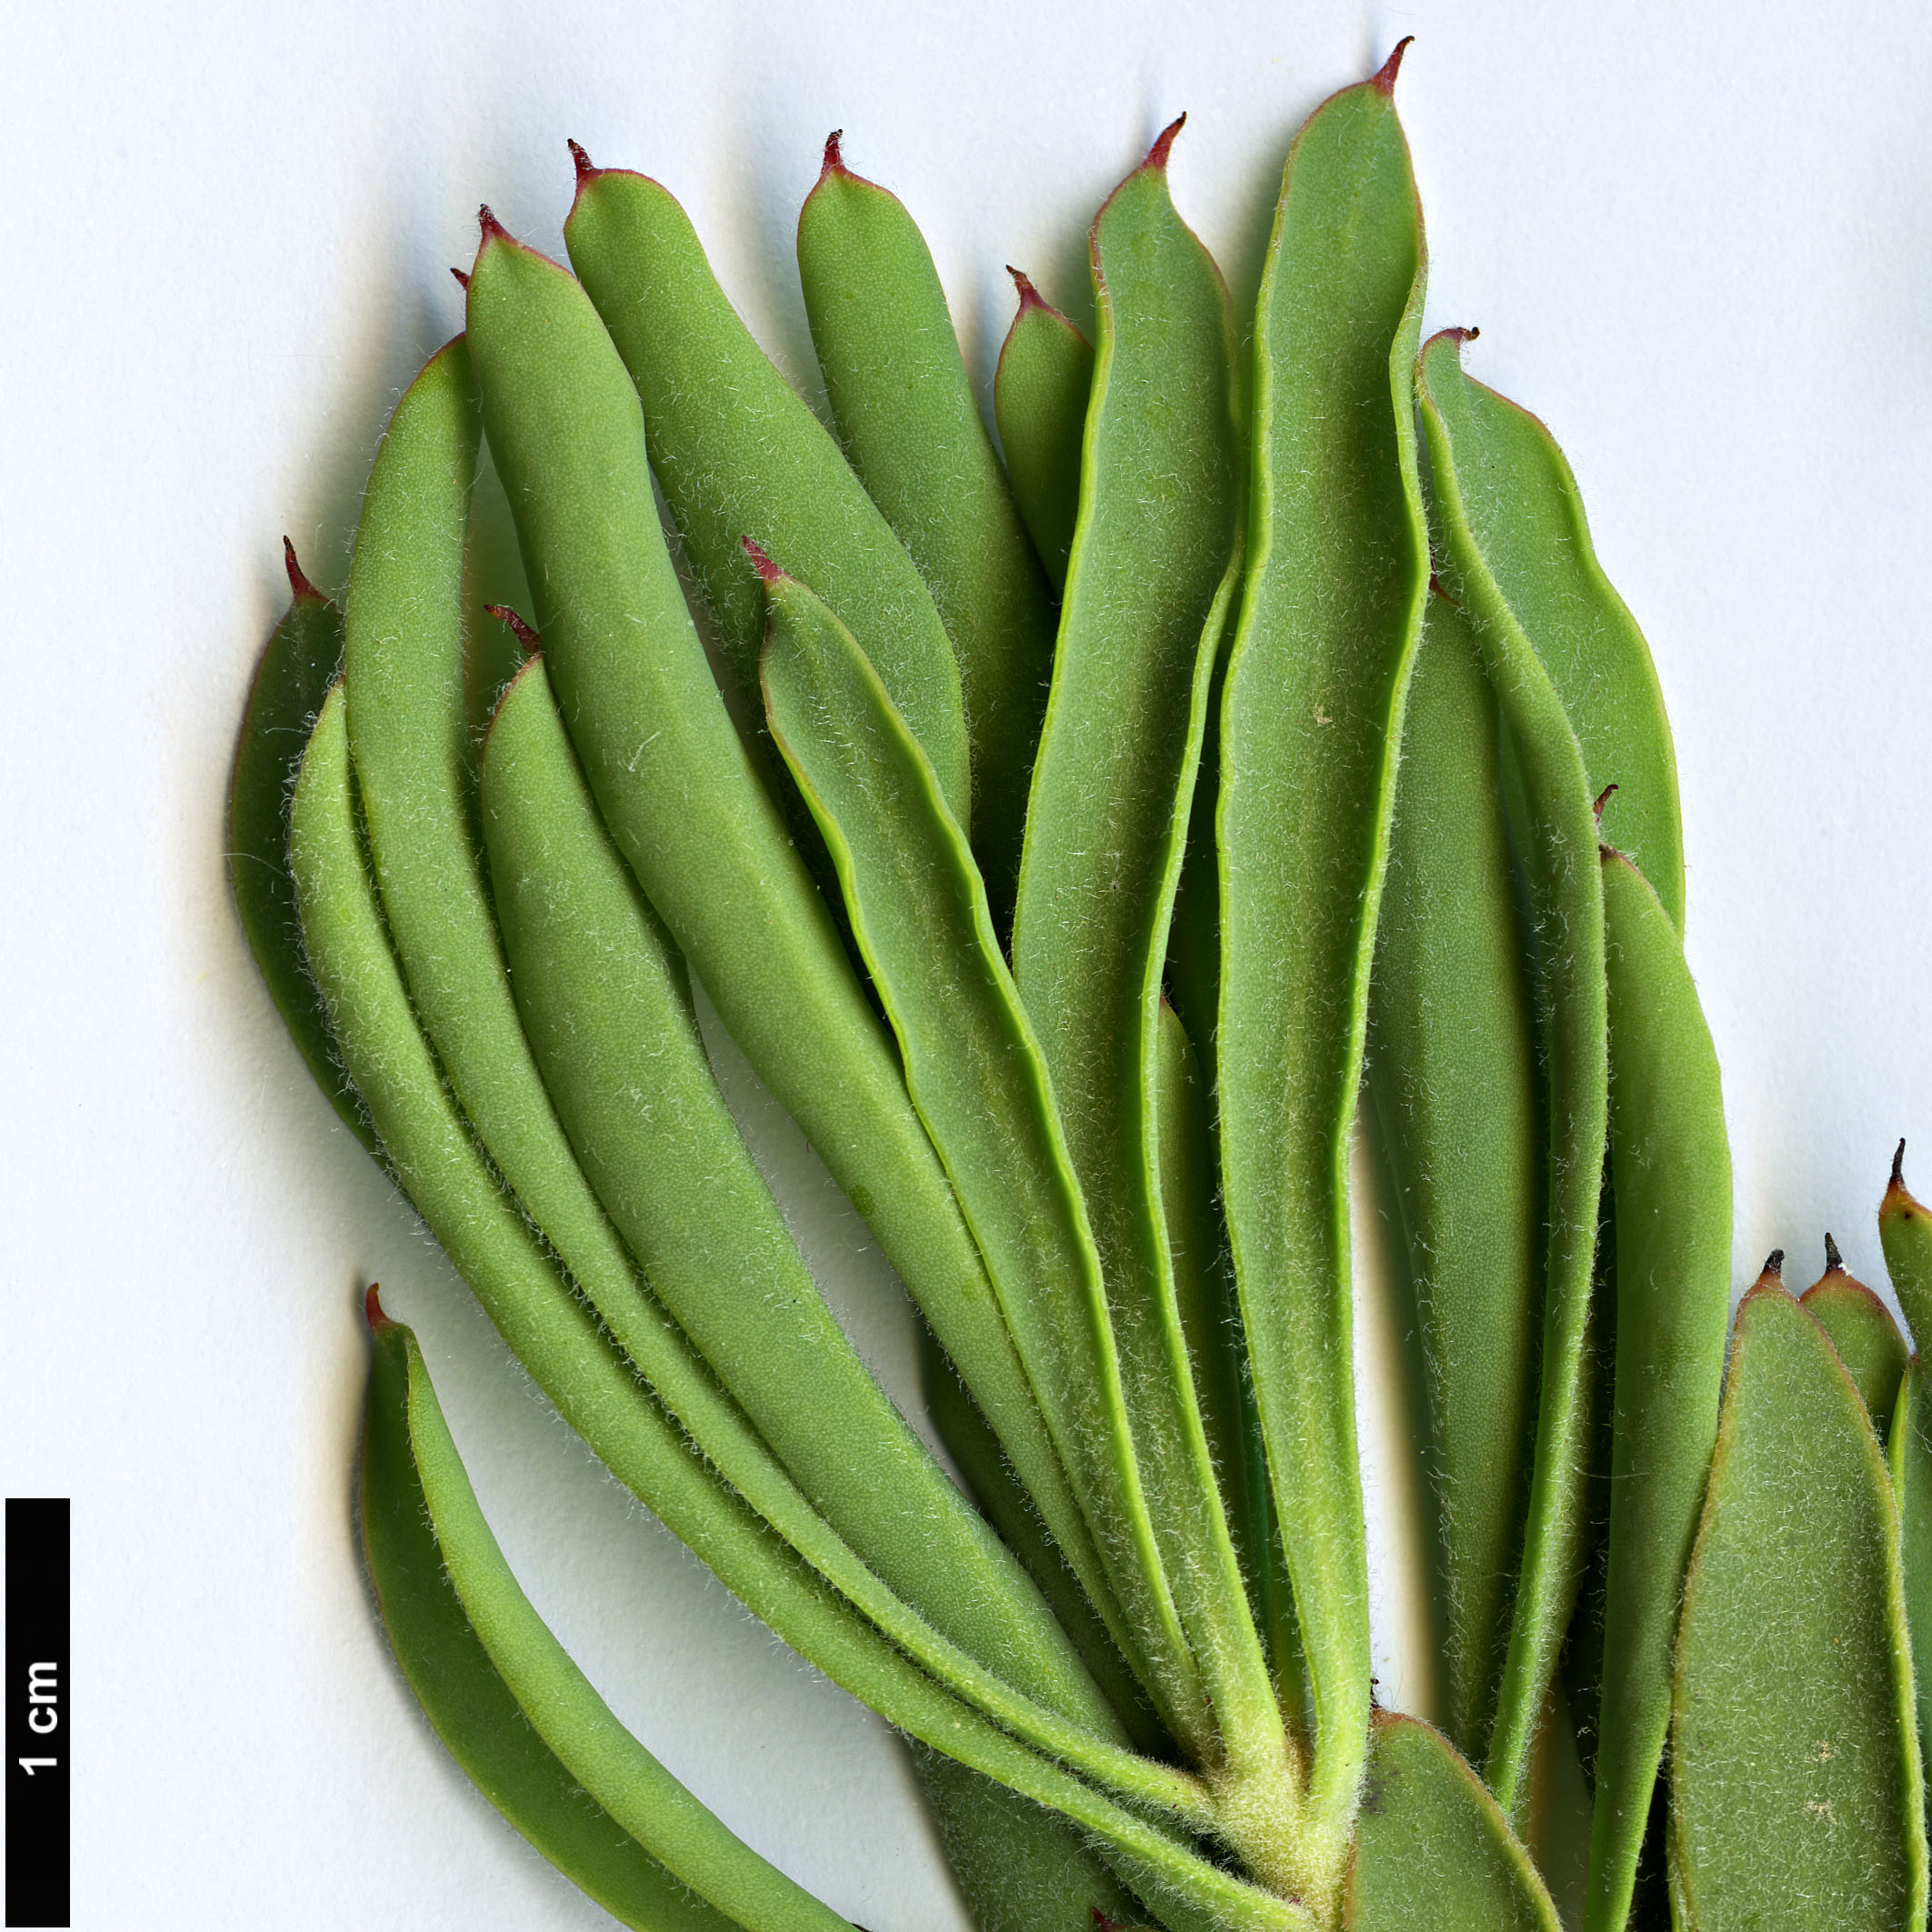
[
  {"x": 1911, "y": 1469},
  {"x": 1797, "y": 1792},
  {"x": 409, "y": 738},
  {"x": 1433, "y": 1851},
  {"x": 298, "y": 666},
  {"x": 1905, "y": 1232},
  {"x": 1451, "y": 1063},
  {"x": 463, "y": 1694},
  {"x": 910, "y": 424},
  {"x": 1670, "y": 1168},
  {"x": 1524, "y": 513},
  {"x": 1336, "y": 575},
  {"x": 975, "y": 1073},
  {"x": 1040, "y": 393},
  {"x": 563, "y": 1708},
  {"x": 1155, "y": 564},
  {"x": 1554, "y": 833}
]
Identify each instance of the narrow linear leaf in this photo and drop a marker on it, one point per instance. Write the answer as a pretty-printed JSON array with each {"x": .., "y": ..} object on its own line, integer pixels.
[
  {"x": 1524, "y": 513},
  {"x": 605, "y": 1002},
  {"x": 1670, "y": 1166},
  {"x": 678, "y": 788},
  {"x": 1040, "y": 393},
  {"x": 910, "y": 424},
  {"x": 460, "y": 1689},
  {"x": 975, "y": 1073},
  {"x": 1911, "y": 1471},
  {"x": 559, "y": 1340},
  {"x": 299, "y": 664},
  {"x": 1155, "y": 564},
  {"x": 1554, "y": 831},
  {"x": 1337, "y": 577},
  {"x": 1451, "y": 1064}
]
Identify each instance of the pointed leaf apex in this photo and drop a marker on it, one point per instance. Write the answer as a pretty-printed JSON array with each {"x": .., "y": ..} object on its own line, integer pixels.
[
  {"x": 300, "y": 586},
  {"x": 1774, "y": 1263},
  {"x": 1164, "y": 143},
  {"x": 462, "y": 276},
  {"x": 493, "y": 229},
  {"x": 372, "y": 1308},
  {"x": 583, "y": 164},
  {"x": 1457, "y": 337},
  {"x": 1603, "y": 798},
  {"x": 1834, "y": 1261},
  {"x": 1384, "y": 81},
  {"x": 524, "y": 635},
  {"x": 1899, "y": 1166},
  {"x": 1030, "y": 297},
  {"x": 767, "y": 570},
  {"x": 835, "y": 162}
]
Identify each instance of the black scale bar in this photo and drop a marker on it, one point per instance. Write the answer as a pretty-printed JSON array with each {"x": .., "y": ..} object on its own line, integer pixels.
[{"x": 37, "y": 1707}]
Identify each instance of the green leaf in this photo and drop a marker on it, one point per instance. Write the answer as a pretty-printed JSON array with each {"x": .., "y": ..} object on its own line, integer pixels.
[
  {"x": 976, "y": 1076},
  {"x": 1905, "y": 1232},
  {"x": 1337, "y": 577},
  {"x": 1554, "y": 835},
  {"x": 1670, "y": 1168},
  {"x": 1526, "y": 513},
  {"x": 1040, "y": 393},
  {"x": 1864, "y": 1334},
  {"x": 606, "y": 1001},
  {"x": 461, "y": 1692},
  {"x": 1433, "y": 1851},
  {"x": 910, "y": 424},
  {"x": 1911, "y": 1467},
  {"x": 561, "y": 1705},
  {"x": 737, "y": 454},
  {"x": 1796, "y": 1794},
  {"x": 1156, "y": 565},
  {"x": 292, "y": 677},
  {"x": 1023, "y": 1868},
  {"x": 1452, "y": 1068}
]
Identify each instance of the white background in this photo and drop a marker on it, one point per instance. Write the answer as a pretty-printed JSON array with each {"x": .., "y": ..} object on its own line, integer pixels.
[{"x": 1699, "y": 241}]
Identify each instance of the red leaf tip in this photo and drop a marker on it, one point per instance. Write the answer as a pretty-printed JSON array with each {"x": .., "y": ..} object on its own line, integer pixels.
[
  {"x": 1603, "y": 798},
  {"x": 1030, "y": 297},
  {"x": 462, "y": 279},
  {"x": 1897, "y": 1159},
  {"x": 835, "y": 162},
  {"x": 585, "y": 165},
  {"x": 1384, "y": 81},
  {"x": 525, "y": 637},
  {"x": 1164, "y": 143},
  {"x": 372, "y": 1308},
  {"x": 763, "y": 565},
  {"x": 493, "y": 229},
  {"x": 301, "y": 588}
]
